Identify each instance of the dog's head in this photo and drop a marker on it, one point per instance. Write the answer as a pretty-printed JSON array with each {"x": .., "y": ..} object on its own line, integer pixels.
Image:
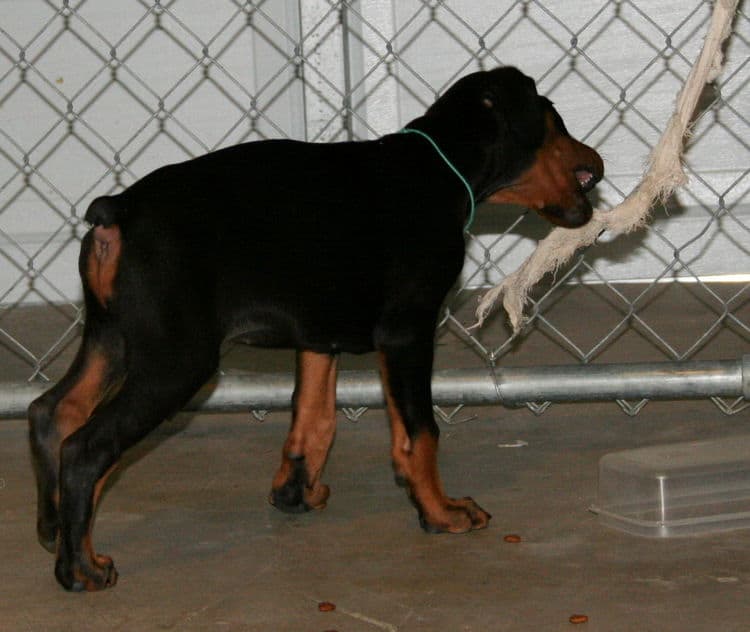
[{"x": 529, "y": 158}]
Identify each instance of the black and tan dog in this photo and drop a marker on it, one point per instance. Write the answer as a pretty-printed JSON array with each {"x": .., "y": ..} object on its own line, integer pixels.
[{"x": 323, "y": 248}]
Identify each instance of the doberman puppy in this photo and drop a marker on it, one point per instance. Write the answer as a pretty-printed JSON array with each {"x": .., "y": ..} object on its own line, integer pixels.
[{"x": 323, "y": 248}]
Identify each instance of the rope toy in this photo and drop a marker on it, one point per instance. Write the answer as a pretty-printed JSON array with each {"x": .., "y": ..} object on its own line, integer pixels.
[{"x": 663, "y": 175}]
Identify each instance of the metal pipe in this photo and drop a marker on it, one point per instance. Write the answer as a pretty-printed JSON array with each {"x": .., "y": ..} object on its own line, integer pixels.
[{"x": 239, "y": 390}]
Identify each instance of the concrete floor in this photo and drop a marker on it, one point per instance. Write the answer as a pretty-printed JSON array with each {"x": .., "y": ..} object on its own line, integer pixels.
[{"x": 199, "y": 548}]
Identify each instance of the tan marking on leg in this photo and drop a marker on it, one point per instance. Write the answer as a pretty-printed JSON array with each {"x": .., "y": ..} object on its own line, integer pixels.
[
  {"x": 99, "y": 572},
  {"x": 99, "y": 487},
  {"x": 72, "y": 412},
  {"x": 76, "y": 406},
  {"x": 400, "y": 442},
  {"x": 99, "y": 566},
  {"x": 313, "y": 424},
  {"x": 416, "y": 461},
  {"x": 102, "y": 263}
]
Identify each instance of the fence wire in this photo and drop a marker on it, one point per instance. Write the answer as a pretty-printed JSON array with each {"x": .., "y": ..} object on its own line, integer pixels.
[{"x": 95, "y": 94}]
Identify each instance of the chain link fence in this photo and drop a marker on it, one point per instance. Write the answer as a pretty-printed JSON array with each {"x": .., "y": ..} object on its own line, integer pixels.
[{"x": 94, "y": 94}]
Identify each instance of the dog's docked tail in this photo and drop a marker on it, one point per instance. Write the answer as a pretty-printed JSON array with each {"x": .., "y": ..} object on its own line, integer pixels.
[{"x": 104, "y": 211}]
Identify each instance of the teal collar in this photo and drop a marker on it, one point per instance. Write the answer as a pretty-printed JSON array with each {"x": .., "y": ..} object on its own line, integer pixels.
[{"x": 411, "y": 130}]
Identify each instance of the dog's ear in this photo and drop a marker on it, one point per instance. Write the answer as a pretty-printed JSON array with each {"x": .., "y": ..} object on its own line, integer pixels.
[{"x": 517, "y": 107}]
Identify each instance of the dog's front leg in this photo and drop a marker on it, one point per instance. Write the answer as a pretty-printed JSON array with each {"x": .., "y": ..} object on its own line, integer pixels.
[
  {"x": 406, "y": 373},
  {"x": 296, "y": 486}
]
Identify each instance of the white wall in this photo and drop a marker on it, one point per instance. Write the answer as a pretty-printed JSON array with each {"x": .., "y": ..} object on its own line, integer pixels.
[{"x": 116, "y": 133}]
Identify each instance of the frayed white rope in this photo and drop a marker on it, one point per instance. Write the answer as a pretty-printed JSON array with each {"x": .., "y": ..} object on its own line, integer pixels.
[{"x": 663, "y": 175}]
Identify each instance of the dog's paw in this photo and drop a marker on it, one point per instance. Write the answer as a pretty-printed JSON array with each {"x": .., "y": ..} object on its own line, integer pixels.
[
  {"x": 293, "y": 498},
  {"x": 454, "y": 516},
  {"x": 98, "y": 574}
]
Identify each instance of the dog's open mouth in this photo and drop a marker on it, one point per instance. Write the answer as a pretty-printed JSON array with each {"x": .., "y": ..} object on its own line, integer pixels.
[{"x": 586, "y": 178}]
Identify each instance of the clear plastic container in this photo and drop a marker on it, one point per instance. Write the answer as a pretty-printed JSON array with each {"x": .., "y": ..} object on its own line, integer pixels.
[{"x": 678, "y": 489}]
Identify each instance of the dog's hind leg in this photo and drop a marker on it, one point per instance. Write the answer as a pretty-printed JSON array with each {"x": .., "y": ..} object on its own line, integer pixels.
[
  {"x": 296, "y": 486},
  {"x": 63, "y": 409},
  {"x": 94, "y": 375},
  {"x": 155, "y": 386},
  {"x": 140, "y": 361},
  {"x": 406, "y": 372}
]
